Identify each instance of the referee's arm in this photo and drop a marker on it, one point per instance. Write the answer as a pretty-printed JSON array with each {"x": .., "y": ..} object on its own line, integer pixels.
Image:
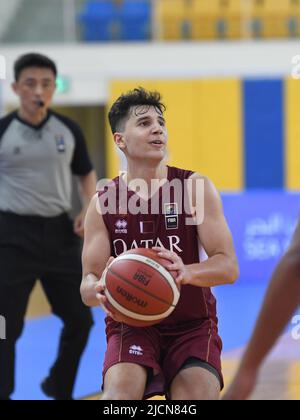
[
  {"x": 87, "y": 177},
  {"x": 87, "y": 188}
]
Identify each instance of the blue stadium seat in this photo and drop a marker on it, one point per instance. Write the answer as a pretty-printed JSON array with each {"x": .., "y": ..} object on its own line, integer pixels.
[
  {"x": 97, "y": 21},
  {"x": 129, "y": 20},
  {"x": 103, "y": 7},
  {"x": 135, "y": 17}
]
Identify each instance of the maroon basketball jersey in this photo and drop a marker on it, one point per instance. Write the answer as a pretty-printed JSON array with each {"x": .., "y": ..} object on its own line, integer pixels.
[{"x": 165, "y": 228}]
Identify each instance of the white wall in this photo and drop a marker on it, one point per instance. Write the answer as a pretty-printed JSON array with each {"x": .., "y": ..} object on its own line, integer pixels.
[
  {"x": 8, "y": 9},
  {"x": 91, "y": 67}
]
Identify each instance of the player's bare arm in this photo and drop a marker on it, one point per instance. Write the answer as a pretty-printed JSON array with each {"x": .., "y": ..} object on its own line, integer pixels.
[
  {"x": 284, "y": 293},
  {"x": 95, "y": 256},
  {"x": 221, "y": 267}
]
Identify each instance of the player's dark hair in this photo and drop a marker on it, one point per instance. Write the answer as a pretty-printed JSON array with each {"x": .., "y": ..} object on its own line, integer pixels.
[
  {"x": 120, "y": 110},
  {"x": 33, "y": 60}
]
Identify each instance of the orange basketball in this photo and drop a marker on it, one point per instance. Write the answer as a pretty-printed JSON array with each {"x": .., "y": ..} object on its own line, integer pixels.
[{"x": 139, "y": 289}]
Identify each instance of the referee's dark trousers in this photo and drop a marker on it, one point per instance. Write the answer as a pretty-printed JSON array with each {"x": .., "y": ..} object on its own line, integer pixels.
[{"x": 34, "y": 248}]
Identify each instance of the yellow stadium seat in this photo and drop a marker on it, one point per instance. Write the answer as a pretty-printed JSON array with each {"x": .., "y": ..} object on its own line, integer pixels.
[
  {"x": 174, "y": 8},
  {"x": 206, "y": 7},
  {"x": 275, "y": 18},
  {"x": 228, "y": 19},
  {"x": 174, "y": 17},
  {"x": 217, "y": 19},
  {"x": 176, "y": 30},
  {"x": 218, "y": 8},
  {"x": 294, "y": 19}
]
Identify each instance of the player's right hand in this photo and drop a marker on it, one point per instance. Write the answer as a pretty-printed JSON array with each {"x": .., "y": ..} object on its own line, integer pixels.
[
  {"x": 100, "y": 287},
  {"x": 242, "y": 386},
  {"x": 109, "y": 261}
]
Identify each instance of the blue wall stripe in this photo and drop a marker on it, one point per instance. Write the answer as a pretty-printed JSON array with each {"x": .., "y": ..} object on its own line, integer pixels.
[{"x": 264, "y": 134}]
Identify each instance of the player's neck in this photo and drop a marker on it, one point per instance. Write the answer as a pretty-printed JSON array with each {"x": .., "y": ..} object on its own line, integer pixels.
[
  {"x": 34, "y": 119},
  {"x": 146, "y": 172}
]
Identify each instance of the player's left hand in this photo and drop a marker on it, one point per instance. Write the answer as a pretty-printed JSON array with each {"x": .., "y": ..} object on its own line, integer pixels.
[
  {"x": 242, "y": 385},
  {"x": 176, "y": 265}
]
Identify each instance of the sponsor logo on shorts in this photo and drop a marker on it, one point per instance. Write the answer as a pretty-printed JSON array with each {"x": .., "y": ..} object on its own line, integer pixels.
[{"x": 136, "y": 350}]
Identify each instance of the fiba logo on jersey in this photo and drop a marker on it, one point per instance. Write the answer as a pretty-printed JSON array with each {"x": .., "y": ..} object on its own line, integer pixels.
[
  {"x": 2, "y": 328},
  {"x": 2, "y": 68},
  {"x": 296, "y": 329}
]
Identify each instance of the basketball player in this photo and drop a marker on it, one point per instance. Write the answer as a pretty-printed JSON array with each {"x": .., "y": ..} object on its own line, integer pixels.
[
  {"x": 281, "y": 301},
  {"x": 179, "y": 357},
  {"x": 39, "y": 151}
]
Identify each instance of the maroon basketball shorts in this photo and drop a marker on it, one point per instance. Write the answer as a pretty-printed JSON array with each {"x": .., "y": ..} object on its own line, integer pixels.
[{"x": 164, "y": 350}]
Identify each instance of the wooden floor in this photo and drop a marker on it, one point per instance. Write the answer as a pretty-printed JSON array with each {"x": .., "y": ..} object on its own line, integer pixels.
[
  {"x": 280, "y": 375},
  {"x": 279, "y": 380},
  {"x": 272, "y": 385},
  {"x": 38, "y": 305}
]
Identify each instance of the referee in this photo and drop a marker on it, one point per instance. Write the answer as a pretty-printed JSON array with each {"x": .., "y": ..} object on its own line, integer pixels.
[{"x": 39, "y": 152}]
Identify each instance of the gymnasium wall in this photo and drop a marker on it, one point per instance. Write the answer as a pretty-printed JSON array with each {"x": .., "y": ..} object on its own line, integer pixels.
[
  {"x": 243, "y": 133},
  {"x": 89, "y": 68}
]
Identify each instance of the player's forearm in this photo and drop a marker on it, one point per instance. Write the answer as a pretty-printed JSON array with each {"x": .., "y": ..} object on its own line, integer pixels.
[
  {"x": 281, "y": 302},
  {"x": 88, "y": 290},
  {"x": 216, "y": 271}
]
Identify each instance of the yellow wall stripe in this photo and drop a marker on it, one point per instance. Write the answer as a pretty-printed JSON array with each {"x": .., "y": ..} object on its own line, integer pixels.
[
  {"x": 204, "y": 119},
  {"x": 292, "y": 113},
  {"x": 218, "y": 132},
  {"x": 294, "y": 381}
]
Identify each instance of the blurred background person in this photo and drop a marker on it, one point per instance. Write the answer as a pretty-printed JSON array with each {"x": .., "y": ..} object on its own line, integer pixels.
[{"x": 39, "y": 152}]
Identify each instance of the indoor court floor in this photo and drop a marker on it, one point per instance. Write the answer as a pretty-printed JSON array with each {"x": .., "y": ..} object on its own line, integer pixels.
[{"x": 279, "y": 379}]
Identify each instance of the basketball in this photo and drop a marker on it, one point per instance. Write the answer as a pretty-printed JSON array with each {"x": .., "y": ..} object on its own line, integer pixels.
[{"x": 139, "y": 289}]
